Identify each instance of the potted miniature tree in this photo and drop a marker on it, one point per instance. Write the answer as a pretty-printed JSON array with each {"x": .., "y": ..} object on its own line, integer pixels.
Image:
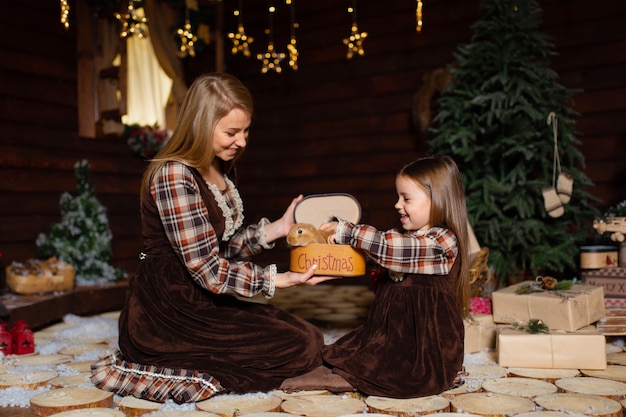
[
  {"x": 493, "y": 119},
  {"x": 82, "y": 238}
]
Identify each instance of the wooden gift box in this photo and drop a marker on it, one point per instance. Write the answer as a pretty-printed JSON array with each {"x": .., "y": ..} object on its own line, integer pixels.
[
  {"x": 480, "y": 332},
  {"x": 568, "y": 310},
  {"x": 583, "y": 349},
  {"x": 612, "y": 279},
  {"x": 336, "y": 260},
  {"x": 36, "y": 276}
]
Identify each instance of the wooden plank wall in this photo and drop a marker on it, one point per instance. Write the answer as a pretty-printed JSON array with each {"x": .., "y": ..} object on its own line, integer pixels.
[
  {"x": 335, "y": 125},
  {"x": 39, "y": 143}
]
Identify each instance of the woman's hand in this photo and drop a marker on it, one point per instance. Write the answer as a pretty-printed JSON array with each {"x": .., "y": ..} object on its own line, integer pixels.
[
  {"x": 280, "y": 228},
  {"x": 291, "y": 279}
]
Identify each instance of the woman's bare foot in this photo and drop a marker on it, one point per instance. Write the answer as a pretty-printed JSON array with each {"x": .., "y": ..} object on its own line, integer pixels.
[{"x": 319, "y": 378}]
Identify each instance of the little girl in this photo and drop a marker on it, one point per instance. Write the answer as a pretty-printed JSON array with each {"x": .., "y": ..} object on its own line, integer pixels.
[{"x": 412, "y": 342}]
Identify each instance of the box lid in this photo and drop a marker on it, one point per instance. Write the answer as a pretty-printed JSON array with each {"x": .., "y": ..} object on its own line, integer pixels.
[{"x": 316, "y": 209}]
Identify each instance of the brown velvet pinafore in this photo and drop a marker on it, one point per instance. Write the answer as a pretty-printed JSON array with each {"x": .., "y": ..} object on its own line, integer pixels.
[
  {"x": 169, "y": 320},
  {"x": 412, "y": 344}
]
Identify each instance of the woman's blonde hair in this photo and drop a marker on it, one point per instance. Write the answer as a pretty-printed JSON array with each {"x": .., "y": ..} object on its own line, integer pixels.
[
  {"x": 210, "y": 97},
  {"x": 440, "y": 177}
]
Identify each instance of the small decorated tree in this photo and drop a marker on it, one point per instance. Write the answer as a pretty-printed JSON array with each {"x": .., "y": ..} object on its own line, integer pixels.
[
  {"x": 493, "y": 120},
  {"x": 82, "y": 238}
]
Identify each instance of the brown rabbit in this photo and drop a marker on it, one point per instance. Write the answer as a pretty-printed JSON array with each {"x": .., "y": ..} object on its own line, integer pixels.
[{"x": 301, "y": 234}]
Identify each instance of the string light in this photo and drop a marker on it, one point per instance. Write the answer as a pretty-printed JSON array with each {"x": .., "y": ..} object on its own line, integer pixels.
[
  {"x": 291, "y": 47},
  {"x": 241, "y": 42},
  {"x": 271, "y": 59},
  {"x": 356, "y": 38},
  {"x": 131, "y": 23},
  {"x": 187, "y": 38},
  {"x": 65, "y": 13},
  {"x": 418, "y": 15}
]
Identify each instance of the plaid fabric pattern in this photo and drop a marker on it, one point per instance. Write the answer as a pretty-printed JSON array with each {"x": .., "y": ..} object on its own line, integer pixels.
[
  {"x": 189, "y": 230},
  {"x": 430, "y": 252},
  {"x": 148, "y": 382}
]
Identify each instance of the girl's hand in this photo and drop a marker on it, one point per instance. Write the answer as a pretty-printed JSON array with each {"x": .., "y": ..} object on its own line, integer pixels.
[
  {"x": 330, "y": 227},
  {"x": 291, "y": 279}
]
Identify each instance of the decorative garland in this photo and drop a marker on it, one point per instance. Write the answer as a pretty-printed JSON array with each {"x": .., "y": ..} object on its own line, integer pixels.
[{"x": 544, "y": 284}]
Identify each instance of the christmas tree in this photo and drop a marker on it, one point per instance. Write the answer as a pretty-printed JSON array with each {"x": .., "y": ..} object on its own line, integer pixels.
[
  {"x": 493, "y": 119},
  {"x": 82, "y": 238}
]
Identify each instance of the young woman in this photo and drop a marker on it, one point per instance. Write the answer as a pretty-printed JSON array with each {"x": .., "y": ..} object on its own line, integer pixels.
[
  {"x": 411, "y": 344},
  {"x": 182, "y": 331}
]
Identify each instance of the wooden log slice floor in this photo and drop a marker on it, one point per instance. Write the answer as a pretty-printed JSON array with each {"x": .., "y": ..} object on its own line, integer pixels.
[
  {"x": 90, "y": 412},
  {"x": 335, "y": 311},
  {"x": 612, "y": 372},
  {"x": 234, "y": 405},
  {"x": 549, "y": 375},
  {"x": 491, "y": 404},
  {"x": 614, "y": 390},
  {"x": 408, "y": 407},
  {"x": 65, "y": 399},
  {"x": 323, "y": 406},
  {"x": 590, "y": 405},
  {"x": 519, "y": 387}
]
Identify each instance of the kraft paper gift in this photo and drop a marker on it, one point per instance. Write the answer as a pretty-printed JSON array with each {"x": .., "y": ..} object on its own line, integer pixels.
[
  {"x": 583, "y": 349},
  {"x": 480, "y": 332},
  {"x": 568, "y": 310}
]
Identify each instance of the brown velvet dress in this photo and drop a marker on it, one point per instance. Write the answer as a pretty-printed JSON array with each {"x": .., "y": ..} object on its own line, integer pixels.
[
  {"x": 411, "y": 344},
  {"x": 170, "y": 321}
]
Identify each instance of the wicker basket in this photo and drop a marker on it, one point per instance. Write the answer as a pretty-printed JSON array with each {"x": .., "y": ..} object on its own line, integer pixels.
[{"x": 36, "y": 276}]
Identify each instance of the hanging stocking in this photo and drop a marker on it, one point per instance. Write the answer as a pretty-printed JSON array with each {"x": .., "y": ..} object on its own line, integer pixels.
[
  {"x": 561, "y": 190},
  {"x": 552, "y": 203},
  {"x": 565, "y": 182}
]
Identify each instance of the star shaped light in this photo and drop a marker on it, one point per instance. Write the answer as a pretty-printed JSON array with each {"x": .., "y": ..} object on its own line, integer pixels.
[
  {"x": 355, "y": 41},
  {"x": 131, "y": 23},
  {"x": 187, "y": 40},
  {"x": 271, "y": 59},
  {"x": 241, "y": 41}
]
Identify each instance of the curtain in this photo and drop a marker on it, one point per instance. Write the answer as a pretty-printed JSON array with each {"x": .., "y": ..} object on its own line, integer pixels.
[
  {"x": 148, "y": 86},
  {"x": 161, "y": 17}
]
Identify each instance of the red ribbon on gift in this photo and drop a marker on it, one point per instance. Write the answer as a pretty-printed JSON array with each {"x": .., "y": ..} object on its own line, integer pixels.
[{"x": 480, "y": 305}]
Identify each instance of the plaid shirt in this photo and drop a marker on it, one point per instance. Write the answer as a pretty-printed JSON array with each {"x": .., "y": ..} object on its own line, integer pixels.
[
  {"x": 188, "y": 228},
  {"x": 429, "y": 252}
]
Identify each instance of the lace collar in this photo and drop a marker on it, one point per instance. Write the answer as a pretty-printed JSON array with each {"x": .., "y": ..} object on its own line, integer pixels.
[{"x": 233, "y": 212}]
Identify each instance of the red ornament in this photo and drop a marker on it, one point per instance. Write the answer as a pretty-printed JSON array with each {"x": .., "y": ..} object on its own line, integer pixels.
[
  {"x": 6, "y": 345},
  {"x": 23, "y": 338}
]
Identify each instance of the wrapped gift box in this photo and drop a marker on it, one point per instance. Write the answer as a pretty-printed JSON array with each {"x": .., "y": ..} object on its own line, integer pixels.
[
  {"x": 480, "y": 332},
  {"x": 340, "y": 260},
  {"x": 583, "y": 349},
  {"x": 613, "y": 280},
  {"x": 568, "y": 310}
]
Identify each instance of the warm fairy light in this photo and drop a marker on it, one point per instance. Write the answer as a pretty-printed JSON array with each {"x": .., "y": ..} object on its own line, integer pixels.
[
  {"x": 241, "y": 42},
  {"x": 356, "y": 38},
  {"x": 293, "y": 54},
  {"x": 271, "y": 59},
  {"x": 418, "y": 16},
  {"x": 187, "y": 40},
  {"x": 292, "y": 46},
  {"x": 65, "y": 13},
  {"x": 131, "y": 23}
]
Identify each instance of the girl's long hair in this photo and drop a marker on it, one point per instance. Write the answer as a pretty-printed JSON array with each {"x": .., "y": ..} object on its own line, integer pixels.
[
  {"x": 440, "y": 177},
  {"x": 211, "y": 97}
]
